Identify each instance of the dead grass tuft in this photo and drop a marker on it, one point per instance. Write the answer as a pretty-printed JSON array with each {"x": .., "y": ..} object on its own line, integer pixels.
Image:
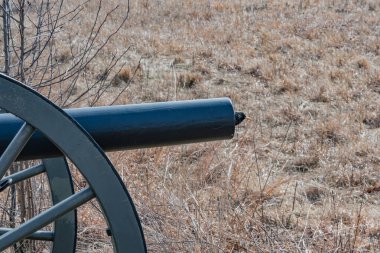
[
  {"x": 337, "y": 75},
  {"x": 205, "y": 53},
  {"x": 373, "y": 189},
  {"x": 304, "y": 164},
  {"x": 229, "y": 66},
  {"x": 286, "y": 86},
  {"x": 314, "y": 194},
  {"x": 291, "y": 115},
  {"x": 363, "y": 64},
  {"x": 204, "y": 70},
  {"x": 321, "y": 96},
  {"x": 331, "y": 131},
  {"x": 178, "y": 60},
  {"x": 347, "y": 179},
  {"x": 263, "y": 71},
  {"x": 126, "y": 75},
  {"x": 372, "y": 122},
  {"x": 188, "y": 80},
  {"x": 64, "y": 56}
]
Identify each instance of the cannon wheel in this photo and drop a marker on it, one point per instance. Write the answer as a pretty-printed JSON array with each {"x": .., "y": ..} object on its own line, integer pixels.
[{"x": 38, "y": 113}]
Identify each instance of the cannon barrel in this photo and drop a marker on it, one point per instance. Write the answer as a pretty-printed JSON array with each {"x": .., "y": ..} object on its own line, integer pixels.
[{"x": 136, "y": 126}]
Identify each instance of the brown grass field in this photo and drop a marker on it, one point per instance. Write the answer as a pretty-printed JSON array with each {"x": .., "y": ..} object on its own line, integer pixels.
[{"x": 303, "y": 174}]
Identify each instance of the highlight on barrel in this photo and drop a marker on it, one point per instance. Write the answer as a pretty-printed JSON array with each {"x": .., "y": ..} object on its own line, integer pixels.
[{"x": 137, "y": 126}]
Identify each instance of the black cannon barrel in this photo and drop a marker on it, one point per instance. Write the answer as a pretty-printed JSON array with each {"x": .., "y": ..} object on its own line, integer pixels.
[{"x": 136, "y": 126}]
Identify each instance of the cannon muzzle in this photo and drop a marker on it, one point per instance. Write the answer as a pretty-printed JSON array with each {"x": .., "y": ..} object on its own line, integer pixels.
[{"x": 136, "y": 126}]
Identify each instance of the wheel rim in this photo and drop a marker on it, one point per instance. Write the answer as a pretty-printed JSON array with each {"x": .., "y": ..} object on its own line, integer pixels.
[{"x": 105, "y": 184}]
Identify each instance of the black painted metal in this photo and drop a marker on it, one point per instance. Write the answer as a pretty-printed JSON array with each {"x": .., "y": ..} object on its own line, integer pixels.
[
  {"x": 14, "y": 148},
  {"x": 114, "y": 128},
  {"x": 137, "y": 126},
  {"x": 76, "y": 144},
  {"x": 38, "y": 235},
  {"x": 61, "y": 187},
  {"x": 20, "y": 176},
  {"x": 44, "y": 218}
]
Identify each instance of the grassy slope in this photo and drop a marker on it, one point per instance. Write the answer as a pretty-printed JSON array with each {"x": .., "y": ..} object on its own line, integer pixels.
[{"x": 303, "y": 174}]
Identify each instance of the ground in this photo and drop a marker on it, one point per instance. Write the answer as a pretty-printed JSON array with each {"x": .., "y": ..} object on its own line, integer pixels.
[{"x": 303, "y": 173}]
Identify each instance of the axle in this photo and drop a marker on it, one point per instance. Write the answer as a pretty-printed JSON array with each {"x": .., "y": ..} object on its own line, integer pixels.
[{"x": 136, "y": 126}]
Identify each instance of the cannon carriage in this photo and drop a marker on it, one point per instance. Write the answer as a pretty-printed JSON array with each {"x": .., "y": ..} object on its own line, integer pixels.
[{"x": 32, "y": 127}]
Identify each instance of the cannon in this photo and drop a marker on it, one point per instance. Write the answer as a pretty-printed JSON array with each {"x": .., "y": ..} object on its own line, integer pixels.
[{"x": 32, "y": 127}]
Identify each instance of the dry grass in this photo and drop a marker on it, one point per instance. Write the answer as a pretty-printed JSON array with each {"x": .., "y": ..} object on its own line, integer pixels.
[{"x": 303, "y": 175}]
